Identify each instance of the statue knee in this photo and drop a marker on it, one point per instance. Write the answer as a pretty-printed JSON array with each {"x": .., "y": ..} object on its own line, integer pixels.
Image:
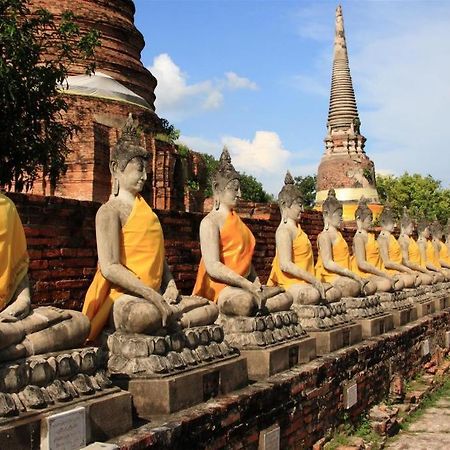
[
  {"x": 384, "y": 285},
  {"x": 370, "y": 288},
  {"x": 333, "y": 294},
  {"x": 82, "y": 323},
  {"x": 136, "y": 317},
  {"x": 237, "y": 303}
]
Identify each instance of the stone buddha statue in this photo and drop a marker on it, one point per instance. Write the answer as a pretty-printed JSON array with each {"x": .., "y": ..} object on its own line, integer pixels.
[
  {"x": 25, "y": 331},
  {"x": 226, "y": 274},
  {"x": 366, "y": 259},
  {"x": 444, "y": 253},
  {"x": 333, "y": 263},
  {"x": 293, "y": 265},
  {"x": 391, "y": 252},
  {"x": 133, "y": 289},
  {"x": 410, "y": 249},
  {"x": 440, "y": 249},
  {"x": 429, "y": 258}
]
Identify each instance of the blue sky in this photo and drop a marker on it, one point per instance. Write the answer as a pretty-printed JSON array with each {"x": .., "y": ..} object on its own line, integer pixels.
[{"x": 255, "y": 75}]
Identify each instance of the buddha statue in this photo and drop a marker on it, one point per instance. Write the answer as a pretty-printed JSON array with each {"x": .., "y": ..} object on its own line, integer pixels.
[
  {"x": 293, "y": 265},
  {"x": 133, "y": 289},
  {"x": 391, "y": 252},
  {"x": 445, "y": 248},
  {"x": 366, "y": 259},
  {"x": 440, "y": 249},
  {"x": 27, "y": 331},
  {"x": 429, "y": 258},
  {"x": 226, "y": 274},
  {"x": 410, "y": 249},
  {"x": 333, "y": 262}
]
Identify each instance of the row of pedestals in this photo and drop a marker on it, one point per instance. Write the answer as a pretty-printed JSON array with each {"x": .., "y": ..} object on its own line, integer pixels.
[{"x": 45, "y": 400}]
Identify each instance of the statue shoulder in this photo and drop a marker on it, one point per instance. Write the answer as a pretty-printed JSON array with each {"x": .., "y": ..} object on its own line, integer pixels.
[{"x": 107, "y": 213}]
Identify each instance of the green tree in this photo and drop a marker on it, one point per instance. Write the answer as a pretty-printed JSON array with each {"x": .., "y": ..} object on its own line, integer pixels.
[
  {"x": 307, "y": 186},
  {"x": 167, "y": 132},
  {"x": 33, "y": 139},
  {"x": 422, "y": 195}
]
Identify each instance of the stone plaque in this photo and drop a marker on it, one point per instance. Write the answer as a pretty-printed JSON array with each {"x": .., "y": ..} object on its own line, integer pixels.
[
  {"x": 211, "y": 385},
  {"x": 64, "y": 431},
  {"x": 426, "y": 347},
  {"x": 447, "y": 339},
  {"x": 269, "y": 439},
  {"x": 346, "y": 337},
  {"x": 293, "y": 356},
  {"x": 350, "y": 395}
]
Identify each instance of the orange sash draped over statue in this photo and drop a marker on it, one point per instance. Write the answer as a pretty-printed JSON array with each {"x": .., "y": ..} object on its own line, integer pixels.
[
  {"x": 395, "y": 253},
  {"x": 13, "y": 251},
  {"x": 413, "y": 251},
  {"x": 141, "y": 252},
  {"x": 443, "y": 253},
  {"x": 373, "y": 257},
  {"x": 302, "y": 256},
  {"x": 340, "y": 255},
  {"x": 432, "y": 256},
  {"x": 237, "y": 244}
]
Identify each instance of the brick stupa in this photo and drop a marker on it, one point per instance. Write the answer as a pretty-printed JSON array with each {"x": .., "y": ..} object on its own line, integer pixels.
[{"x": 345, "y": 167}]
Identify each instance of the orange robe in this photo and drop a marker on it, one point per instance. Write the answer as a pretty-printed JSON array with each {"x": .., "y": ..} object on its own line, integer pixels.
[
  {"x": 414, "y": 252},
  {"x": 340, "y": 255},
  {"x": 431, "y": 255},
  {"x": 395, "y": 254},
  {"x": 443, "y": 253},
  {"x": 141, "y": 252},
  {"x": 372, "y": 257},
  {"x": 13, "y": 251},
  {"x": 302, "y": 256},
  {"x": 237, "y": 244}
]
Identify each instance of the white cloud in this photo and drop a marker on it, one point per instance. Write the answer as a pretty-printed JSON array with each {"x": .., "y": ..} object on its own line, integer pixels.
[
  {"x": 176, "y": 99},
  {"x": 264, "y": 154},
  {"x": 234, "y": 81}
]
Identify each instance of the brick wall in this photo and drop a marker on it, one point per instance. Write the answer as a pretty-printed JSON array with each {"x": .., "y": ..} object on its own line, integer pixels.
[{"x": 61, "y": 242}]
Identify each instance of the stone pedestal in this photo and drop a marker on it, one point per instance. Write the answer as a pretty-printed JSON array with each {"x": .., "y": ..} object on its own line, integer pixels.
[
  {"x": 34, "y": 388},
  {"x": 330, "y": 325},
  {"x": 400, "y": 305},
  {"x": 424, "y": 300},
  {"x": 369, "y": 313},
  {"x": 271, "y": 343},
  {"x": 441, "y": 293},
  {"x": 168, "y": 373}
]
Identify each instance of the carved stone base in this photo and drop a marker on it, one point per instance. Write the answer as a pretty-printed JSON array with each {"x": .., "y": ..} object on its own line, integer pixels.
[
  {"x": 38, "y": 386},
  {"x": 108, "y": 415},
  {"x": 272, "y": 359},
  {"x": 168, "y": 394},
  {"x": 329, "y": 324},
  {"x": 400, "y": 305},
  {"x": 404, "y": 316},
  {"x": 363, "y": 307},
  {"x": 332, "y": 340},
  {"x": 374, "y": 326},
  {"x": 259, "y": 332},
  {"x": 424, "y": 307},
  {"x": 140, "y": 355}
]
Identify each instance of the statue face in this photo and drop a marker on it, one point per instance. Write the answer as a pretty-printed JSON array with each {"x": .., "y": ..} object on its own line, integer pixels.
[
  {"x": 133, "y": 177},
  {"x": 389, "y": 226},
  {"x": 335, "y": 219},
  {"x": 294, "y": 212},
  {"x": 366, "y": 223},
  {"x": 426, "y": 233},
  {"x": 408, "y": 230},
  {"x": 231, "y": 194}
]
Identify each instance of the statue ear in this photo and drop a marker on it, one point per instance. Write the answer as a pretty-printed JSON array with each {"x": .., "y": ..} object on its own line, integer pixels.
[
  {"x": 113, "y": 167},
  {"x": 215, "y": 186}
]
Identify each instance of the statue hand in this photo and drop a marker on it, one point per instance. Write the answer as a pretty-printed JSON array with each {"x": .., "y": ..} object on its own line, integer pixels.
[
  {"x": 7, "y": 318},
  {"x": 163, "y": 307},
  {"x": 171, "y": 295},
  {"x": 321, "y": 288},
  {"x": 256, "y": 290},
  {"x": 394, "y": 280},
  {"x": 363, "y": 282}
]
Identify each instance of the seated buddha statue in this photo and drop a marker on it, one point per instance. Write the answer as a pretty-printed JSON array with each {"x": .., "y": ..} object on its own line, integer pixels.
[
  {"x": 133, "y": 289},
  {"x": 366, "y": 259},
  {"x": 25, "y": 331},
  {"x": 226, "y": 274},
  {"x": 333, "y": 262},
  {"x": 390, "y": 250},
  {"x": 440, "y": 249},
  {"x": 293, "y": 265},
  {"x": 429, "y": 258},
  {"x": 444, "y": 252},
  {"x": 410, "y": 249}
]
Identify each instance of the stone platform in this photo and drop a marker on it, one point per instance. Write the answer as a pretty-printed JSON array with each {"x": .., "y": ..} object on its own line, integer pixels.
[
  {"x": 271, "y": 343},
  {"x": 168, "y": 373},
  {"x": 400, "y": 305},
  {"x": 424, "y": 300},
  {"x": 34, "y": 388},
  {"x": 370, "y": 314},
  {"x": 330, "y": 325},
  {"x": 441, "y": 294}
]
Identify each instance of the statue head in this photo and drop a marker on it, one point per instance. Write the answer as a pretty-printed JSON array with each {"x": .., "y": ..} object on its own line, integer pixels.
[
  {"x": 388, "y": 218},
  {"x": 436, "y": 230},
  {"x": 332, "y": 210},
  {"x": 363, "y": 214},
  {"x": 446, "y": 229},
  {"x": 406, "y": 222},
  {"x": 225, "y": 182},
  {"x": 423, "y": 227},
  {"x": 290, "y": 199},
  {"x": 128, "y": 160}
]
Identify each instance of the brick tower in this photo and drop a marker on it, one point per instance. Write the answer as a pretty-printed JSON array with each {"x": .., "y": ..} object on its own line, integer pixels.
[
  {"x": 100, "y": 105},
  {"x": 345, "y": 166}
]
